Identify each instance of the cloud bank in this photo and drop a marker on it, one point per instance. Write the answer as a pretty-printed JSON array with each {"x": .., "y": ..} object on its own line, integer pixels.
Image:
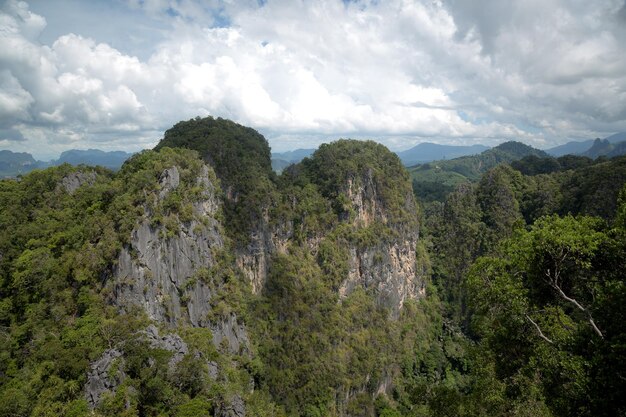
[{"x": 303, "y": 72}]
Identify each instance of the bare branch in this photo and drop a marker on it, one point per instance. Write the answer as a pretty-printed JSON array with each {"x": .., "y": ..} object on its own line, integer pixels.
[
  {"x": 580, "y": 307},
  {"x": 543, "y": 336}
]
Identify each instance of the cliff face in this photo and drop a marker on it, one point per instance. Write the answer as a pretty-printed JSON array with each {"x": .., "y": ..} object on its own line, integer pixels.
[
  {"x": 158, "y": 269},
  {"x": 387, "y": 267},
  {"x": 373, "y": 216}
]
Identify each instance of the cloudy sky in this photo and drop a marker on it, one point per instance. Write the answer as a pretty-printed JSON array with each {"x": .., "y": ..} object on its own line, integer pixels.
[{"x": 115, "y": 74}]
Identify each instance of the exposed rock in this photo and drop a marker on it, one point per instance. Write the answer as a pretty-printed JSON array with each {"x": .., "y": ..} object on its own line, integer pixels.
[
  {"x": 73, "y": 181},
  {"x": 389, "y": 270},
  {"x": 366, "y": 200},
  {"x": 101, "y": 378},
  {"x": 171, "y": 342},
  {"x": 229, "y": 332},
  {"x": 233, "y": 408},
  {"x": 254, "y": 259},
  {"x": 214, "y": 370},
  {"x": 169, "y": 180},
  {"x": 157, "y": 271}
]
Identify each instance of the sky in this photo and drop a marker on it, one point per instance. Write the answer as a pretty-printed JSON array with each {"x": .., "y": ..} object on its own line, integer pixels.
[{"x": 115, "y": 74}]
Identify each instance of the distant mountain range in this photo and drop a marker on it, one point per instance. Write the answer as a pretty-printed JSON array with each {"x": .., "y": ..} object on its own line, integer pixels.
[
  {"x": 281, "y": 160},
  {"x": 435, "y": 179},
  {"x": 426, "y": 152},
  {"x": 581, "y": 148},
  {"x": 16, "y": 163}
]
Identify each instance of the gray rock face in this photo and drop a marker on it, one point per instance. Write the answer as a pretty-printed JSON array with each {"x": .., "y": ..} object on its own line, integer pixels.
[
  {"x": 156, "y": 271},
  {"x": 73, "y": 181},
  {"x": 389, "y": 268},
  {"x": 169, "y": 180},
  {"x": 233, "y": 408},
  {"x": 101, "y": 378},
  {"x": 254, "y": 259},
  {"x": 171, "y": 342},
  {"x": 231, "y": 334}
]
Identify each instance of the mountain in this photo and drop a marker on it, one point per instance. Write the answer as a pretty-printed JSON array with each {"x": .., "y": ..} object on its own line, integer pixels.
[
  {"x": 434, "y": 180},
  {"x": 604, "y": 147},
  {"x": 278, "y": 165},
  {"x": 195, "y": 281},
  {"x": 93, "y": 157},
  {"x": 282, "y": 160},
  {"x": 581, "y": 148},
  {"x": 616, "y": 138},
  {"x": 190, "y": 280},
  {"x": 570, "y": 148},
  {"x": 15, "y": 163},
  {"x": 293, "y": 156},
  {"x": 426, "y": 152}
]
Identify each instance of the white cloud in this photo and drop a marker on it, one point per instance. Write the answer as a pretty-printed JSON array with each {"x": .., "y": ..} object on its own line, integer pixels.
[
  {"x": 14, "y": 100},
  {"x": 400, "y": 71}
]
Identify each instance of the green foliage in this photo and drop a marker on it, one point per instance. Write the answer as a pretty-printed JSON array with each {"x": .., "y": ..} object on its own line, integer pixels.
[
  {"x": 241, "y": 159},
  {"x": 535, "y": 309},
  {"x": 525, "y": 316},
  {"x": 317, "y": 349},
  {"x": 341, "y": 168},
  {"x": 451, "y": 173}
]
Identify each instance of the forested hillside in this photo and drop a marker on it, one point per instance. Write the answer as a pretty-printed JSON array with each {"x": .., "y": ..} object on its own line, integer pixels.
[
  {"x": 434, "y": 180},
  {"x": 197, "y": 282}
]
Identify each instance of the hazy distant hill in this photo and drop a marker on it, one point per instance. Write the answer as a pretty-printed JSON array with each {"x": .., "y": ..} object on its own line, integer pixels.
[
  {"x": 112, "y": 160},
  {"x": 15, "y": 163},
  {"x": 581, "y": 148},
  {"x": 281, "y": 160},
  {"x": 293, "y": 156},
  {"x": 421, "y": 153},
  {"x": 434, "y": 180},
  {"x": 426, "y": 152},
  {"x": 602, "y": 147},
  {"x": 570, "y": 148}
]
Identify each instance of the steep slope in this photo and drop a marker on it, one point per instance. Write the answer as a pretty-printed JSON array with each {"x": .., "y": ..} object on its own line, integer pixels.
[
  {"x": 177, "y": 286},
  {"x": 369, "y": 192},
  {"x": 604, "y": 147},
  {"x": 240, "y": 157}
]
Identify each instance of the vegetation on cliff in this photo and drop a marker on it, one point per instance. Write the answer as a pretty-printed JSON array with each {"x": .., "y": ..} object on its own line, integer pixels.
[{"x": 506, "y": 298}]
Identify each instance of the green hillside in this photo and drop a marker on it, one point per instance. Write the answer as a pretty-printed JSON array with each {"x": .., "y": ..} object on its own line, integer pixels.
[{"x": 432, "y": 181}]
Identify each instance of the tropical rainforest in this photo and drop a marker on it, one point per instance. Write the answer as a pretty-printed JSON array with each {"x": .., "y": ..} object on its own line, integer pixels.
[{"x": 195, "y": 281}]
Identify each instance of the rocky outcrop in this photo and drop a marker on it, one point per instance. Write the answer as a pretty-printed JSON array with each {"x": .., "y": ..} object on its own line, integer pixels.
[
  {"x": 159, "y": 268},
  {"x": 107, "y": 373},
  {"x": 234, "y": 407},
  {"x": 365, "y": 200},
  {"x": 75, "y": 180},
  {"x": 231, "y": 335},
  {"x": 170, "y": 342},
  {"x": 102, "y": 377},
  {"x": 388, "y": 267},
  {"x": 388, "y": 270}
]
